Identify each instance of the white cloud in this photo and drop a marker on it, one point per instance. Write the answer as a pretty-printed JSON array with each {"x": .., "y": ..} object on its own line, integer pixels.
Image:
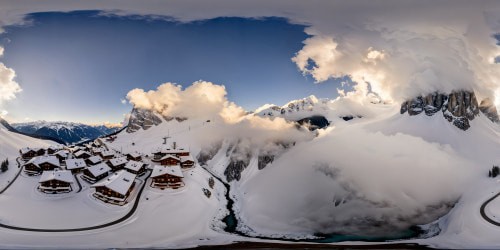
[
  {"x": 8, "y": 87},
  {"x": 201, "y": 99},
  {"x": 388, "y": 186},
  {"x": 426, "y": 45},
  {"x": 1, "y": 51},
  {"x": 123, "y": 101}
]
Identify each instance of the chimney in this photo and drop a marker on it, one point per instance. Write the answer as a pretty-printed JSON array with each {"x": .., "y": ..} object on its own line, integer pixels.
[{"x": 175, "y": 145}]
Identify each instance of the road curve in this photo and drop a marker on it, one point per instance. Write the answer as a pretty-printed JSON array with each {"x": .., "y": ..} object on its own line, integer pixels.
[
  {"x": 78, "y": 182},
  {"x": 15, "y": 178},
  {"x": 483, "y": 213},
  {"x": 111, "y": 223}
]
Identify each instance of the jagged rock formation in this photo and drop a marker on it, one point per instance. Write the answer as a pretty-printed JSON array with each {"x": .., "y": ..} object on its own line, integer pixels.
[
  {"x": 206, "y": 154},
  {"x": 264, "y": 160},
  {"x": 234, "y": 169},
  {"x": 488, "y": 108},
  {"x": 145, "y": 119},
  {"x": 142, "y": 118},
  {"x": 239, "y": 160},
  {"x": 459, "y": 107}
]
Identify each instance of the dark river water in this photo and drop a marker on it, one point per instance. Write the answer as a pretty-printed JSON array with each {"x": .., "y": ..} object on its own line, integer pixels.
[{"x": 231, "y": 222}]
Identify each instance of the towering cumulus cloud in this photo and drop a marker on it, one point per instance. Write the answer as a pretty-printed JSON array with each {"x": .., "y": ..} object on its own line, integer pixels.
[
  {"x": 201, "y": 99},
  {"x": 418, "y": 49},
  {"x": 8, "y": 87},
  {"x": 395, "y": 48}
]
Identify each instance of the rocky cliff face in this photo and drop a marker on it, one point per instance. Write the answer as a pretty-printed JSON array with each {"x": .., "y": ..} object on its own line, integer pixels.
[
  {"x": 458, "y": 107},
  {"x": 142, "y": 118},
  {"x": 488, "y": 108}
]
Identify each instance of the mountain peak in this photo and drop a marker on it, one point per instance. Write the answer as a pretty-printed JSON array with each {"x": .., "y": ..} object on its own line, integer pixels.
[
  {"x": 489, "y": 110},
  {"x": 458, "y": 107}
]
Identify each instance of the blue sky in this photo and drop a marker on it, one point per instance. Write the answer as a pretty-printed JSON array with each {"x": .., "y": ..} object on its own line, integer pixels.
[{"x": 78, "y": 66}]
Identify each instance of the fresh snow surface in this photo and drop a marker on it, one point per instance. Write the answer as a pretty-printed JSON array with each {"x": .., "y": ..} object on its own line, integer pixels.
[
  {"x": 171, "y": 170},
  {"x": 384, "y": 166},
  {"x": 164, "y": 218},
  {"x": 120, "y": 181},
  {"x": 60, "y": 175},
  {"x": 10, "y": 144}
]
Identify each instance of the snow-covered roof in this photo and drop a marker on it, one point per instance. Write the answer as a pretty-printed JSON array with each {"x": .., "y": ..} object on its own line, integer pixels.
[
  {"x": 26, "y": 150},
  {"x": 76, "y": 148},
  {"x": 98, "y": 150},
  {"x": 95, "y": 159},
  {"x": 75, "y": 163},
  {"x": 186, "y": 158},
  {"x": 169, "y": 156},
  {"x": 45, "y": 159},
  {"x": 119, "y": 182},
  {"x": 63, "y": 153},
  {"x": 105, "y": 153},
  {"x": 171, "y": 170},
  {"x": 134, "y": 165},
  {"x": 54, "y": 147},
  {"x": 81, "y": 152},
  {"x": 60, "y": 175},
  {"x": 134, "y": 155},
  {"x": 169, "y": 150},
  {"x": 118, "y": 161},
  {"x": 99, "y": 169}
]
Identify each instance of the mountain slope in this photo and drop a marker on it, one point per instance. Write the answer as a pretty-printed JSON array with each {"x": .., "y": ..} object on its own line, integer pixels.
[
  {"x": 11, "y": 142},
  {"x": 68, "y": 132},
  {"x": 359, "y": 178}
]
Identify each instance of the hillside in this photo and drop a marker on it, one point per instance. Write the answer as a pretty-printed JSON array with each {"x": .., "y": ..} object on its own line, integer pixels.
[
  {"x": 67, "y": 132},
  {"x": 353, "y": 176},
  {"x": 360, "y": 179}
]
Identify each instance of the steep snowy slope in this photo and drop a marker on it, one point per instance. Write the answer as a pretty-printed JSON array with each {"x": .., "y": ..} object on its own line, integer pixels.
[
  {"x": 164, "y": 218},
  {"x": 370, "y": 178},
  {"x": 10, "y": 143},
  {"x": 378, "y": 175}
]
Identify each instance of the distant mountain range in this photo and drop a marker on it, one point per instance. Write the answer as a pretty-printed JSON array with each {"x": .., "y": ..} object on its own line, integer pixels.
[{"x": 67, "y": 132}]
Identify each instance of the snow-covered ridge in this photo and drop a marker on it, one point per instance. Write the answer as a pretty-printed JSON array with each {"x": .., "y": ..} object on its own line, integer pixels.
[
  {"x": 68, "y": 132},
  {"x": 56, "y": 125},
  {"x": 295, "y": 109}
]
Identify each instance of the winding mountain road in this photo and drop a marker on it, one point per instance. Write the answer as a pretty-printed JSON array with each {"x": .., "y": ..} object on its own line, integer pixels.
[
  {"x": 15, "y": 177},
  {"x": 78, "y": 182},
  {"x": 483, "y": 213},
  {"x": 111, "y": 223}
]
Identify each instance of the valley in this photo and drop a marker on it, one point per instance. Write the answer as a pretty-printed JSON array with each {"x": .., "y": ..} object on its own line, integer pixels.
[{"x": 233, "y": 201}]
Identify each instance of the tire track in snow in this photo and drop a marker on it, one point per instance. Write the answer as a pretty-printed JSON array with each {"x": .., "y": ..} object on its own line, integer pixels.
[
  {"x": 483, "y": 213},
  {"x": 111, "y": 223}
]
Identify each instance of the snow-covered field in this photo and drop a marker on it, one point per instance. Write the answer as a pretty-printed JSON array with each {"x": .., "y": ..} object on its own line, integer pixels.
[
  {"x": 24, "y": 206},
  {"x": 164, "y": 218},
  {"x": 381, "y": 168}
]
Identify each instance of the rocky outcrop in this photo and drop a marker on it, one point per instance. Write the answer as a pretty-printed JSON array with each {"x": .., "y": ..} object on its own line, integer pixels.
[
  {"x": 489, "y": 109},
  {"x": 234, "y": 170},
  {"x": 239, "y": 159},
  {"x": 458, "y": 107},
  {"x": 314, "y": 122},
  {"x": 264, "y": 160},
  {"x": 207, "y": 154},
  {"x": 142, "y": 118}
]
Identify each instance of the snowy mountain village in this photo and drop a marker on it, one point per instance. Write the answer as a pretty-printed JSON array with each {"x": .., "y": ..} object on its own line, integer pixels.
[{"x": 116, "y": 178}]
